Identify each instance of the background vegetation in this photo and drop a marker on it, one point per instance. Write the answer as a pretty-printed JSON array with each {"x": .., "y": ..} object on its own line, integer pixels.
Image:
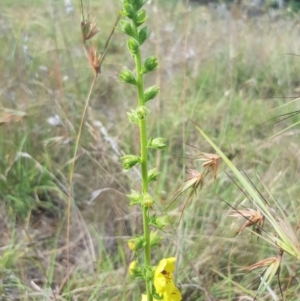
[{"x": 239, "y": 70}]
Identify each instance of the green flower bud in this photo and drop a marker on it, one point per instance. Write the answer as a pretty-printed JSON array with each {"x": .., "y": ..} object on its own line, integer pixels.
[
  {"x": 141, "y": 112},
  {"x": 148, "y": 273},
  {"x": 133, "y": 46},
  {"x": 150, "y": 64},
  {"x": 128, "y": 11},
  {"x": 150, "y": 93},
  {"x": 126, "y": 27},
  {"x": 147, "y": 200},
  {"x": 154, "y": 238},
  {"x": 135, "y": 270},
  {"x": 132, "y": 267},
  {"x": 143, "y": 35},
  {"x": 136, "y": 243},
  {"x": 126, "y": 76},
  {"x": 153, "y": 175},
  {"x": 159, "y": 222},
  {"x": 128, "y": 161},
  {"x": 157, "y": 143},
  {"x": 135, "y": 197},
  {"x": 162, "y": 221},
  {"x": 133, "y": 117},
  {"x": 140, "y": 17}
]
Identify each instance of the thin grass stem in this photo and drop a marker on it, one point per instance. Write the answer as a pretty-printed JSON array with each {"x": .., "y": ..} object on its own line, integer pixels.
[{"x": 72, "y": 168}]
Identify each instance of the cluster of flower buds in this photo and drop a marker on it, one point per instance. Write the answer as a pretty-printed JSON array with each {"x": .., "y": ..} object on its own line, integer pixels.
[{"x": 132, "y": 26}]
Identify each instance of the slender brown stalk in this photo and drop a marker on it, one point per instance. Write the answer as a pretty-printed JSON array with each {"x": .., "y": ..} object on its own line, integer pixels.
[{"x": 72, "y": 168}]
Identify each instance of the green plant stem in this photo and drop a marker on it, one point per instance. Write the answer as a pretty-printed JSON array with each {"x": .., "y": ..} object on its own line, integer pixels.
[{"x": 144, "y": 166}]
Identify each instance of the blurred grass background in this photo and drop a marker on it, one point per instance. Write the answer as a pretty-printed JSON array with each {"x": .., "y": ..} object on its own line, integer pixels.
[{"x": 240, "y": 69}]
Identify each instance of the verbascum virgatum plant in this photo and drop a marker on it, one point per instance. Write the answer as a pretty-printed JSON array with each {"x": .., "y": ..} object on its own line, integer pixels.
[{"x": 158, "y": 279}]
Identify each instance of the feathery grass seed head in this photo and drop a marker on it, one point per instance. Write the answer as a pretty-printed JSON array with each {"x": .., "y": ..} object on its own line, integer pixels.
[
  {"x": 94, "y": 59},
  {"x": 89, "y": 30},
  {"x": 253, "y": 217},
  {"x": 210, "y": 162}
]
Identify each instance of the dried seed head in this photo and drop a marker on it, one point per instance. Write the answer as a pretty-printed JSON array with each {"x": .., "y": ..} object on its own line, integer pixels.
[
  {"x": 210, "y": 162},
  {"x": 272, "y": 268},
  {"x": 88, "y": 29},
  {"x": 271, "y": 263},
  {"x": 254, "y": 217},
  {"x": 94, "y": 59},
  {"x": 194, "y": 181},
  {"x": 195, "y": 178}
]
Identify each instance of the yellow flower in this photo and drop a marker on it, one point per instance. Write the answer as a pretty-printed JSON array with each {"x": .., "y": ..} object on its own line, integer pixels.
[
  {"x": 163, "y": 276},
  {"x": 163, "y": 280}
]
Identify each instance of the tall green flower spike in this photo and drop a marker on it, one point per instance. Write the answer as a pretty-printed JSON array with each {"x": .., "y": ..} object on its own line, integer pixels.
[{"x": 137, "y": 34}]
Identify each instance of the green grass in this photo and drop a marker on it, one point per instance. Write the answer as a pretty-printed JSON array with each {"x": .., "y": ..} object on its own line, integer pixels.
[{"x": 238, "y": 72}]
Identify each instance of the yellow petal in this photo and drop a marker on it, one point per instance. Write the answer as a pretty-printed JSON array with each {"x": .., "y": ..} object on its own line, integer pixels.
[
  {"x": 166, "y": 264},
  {"x": 173, "y": 296}
]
